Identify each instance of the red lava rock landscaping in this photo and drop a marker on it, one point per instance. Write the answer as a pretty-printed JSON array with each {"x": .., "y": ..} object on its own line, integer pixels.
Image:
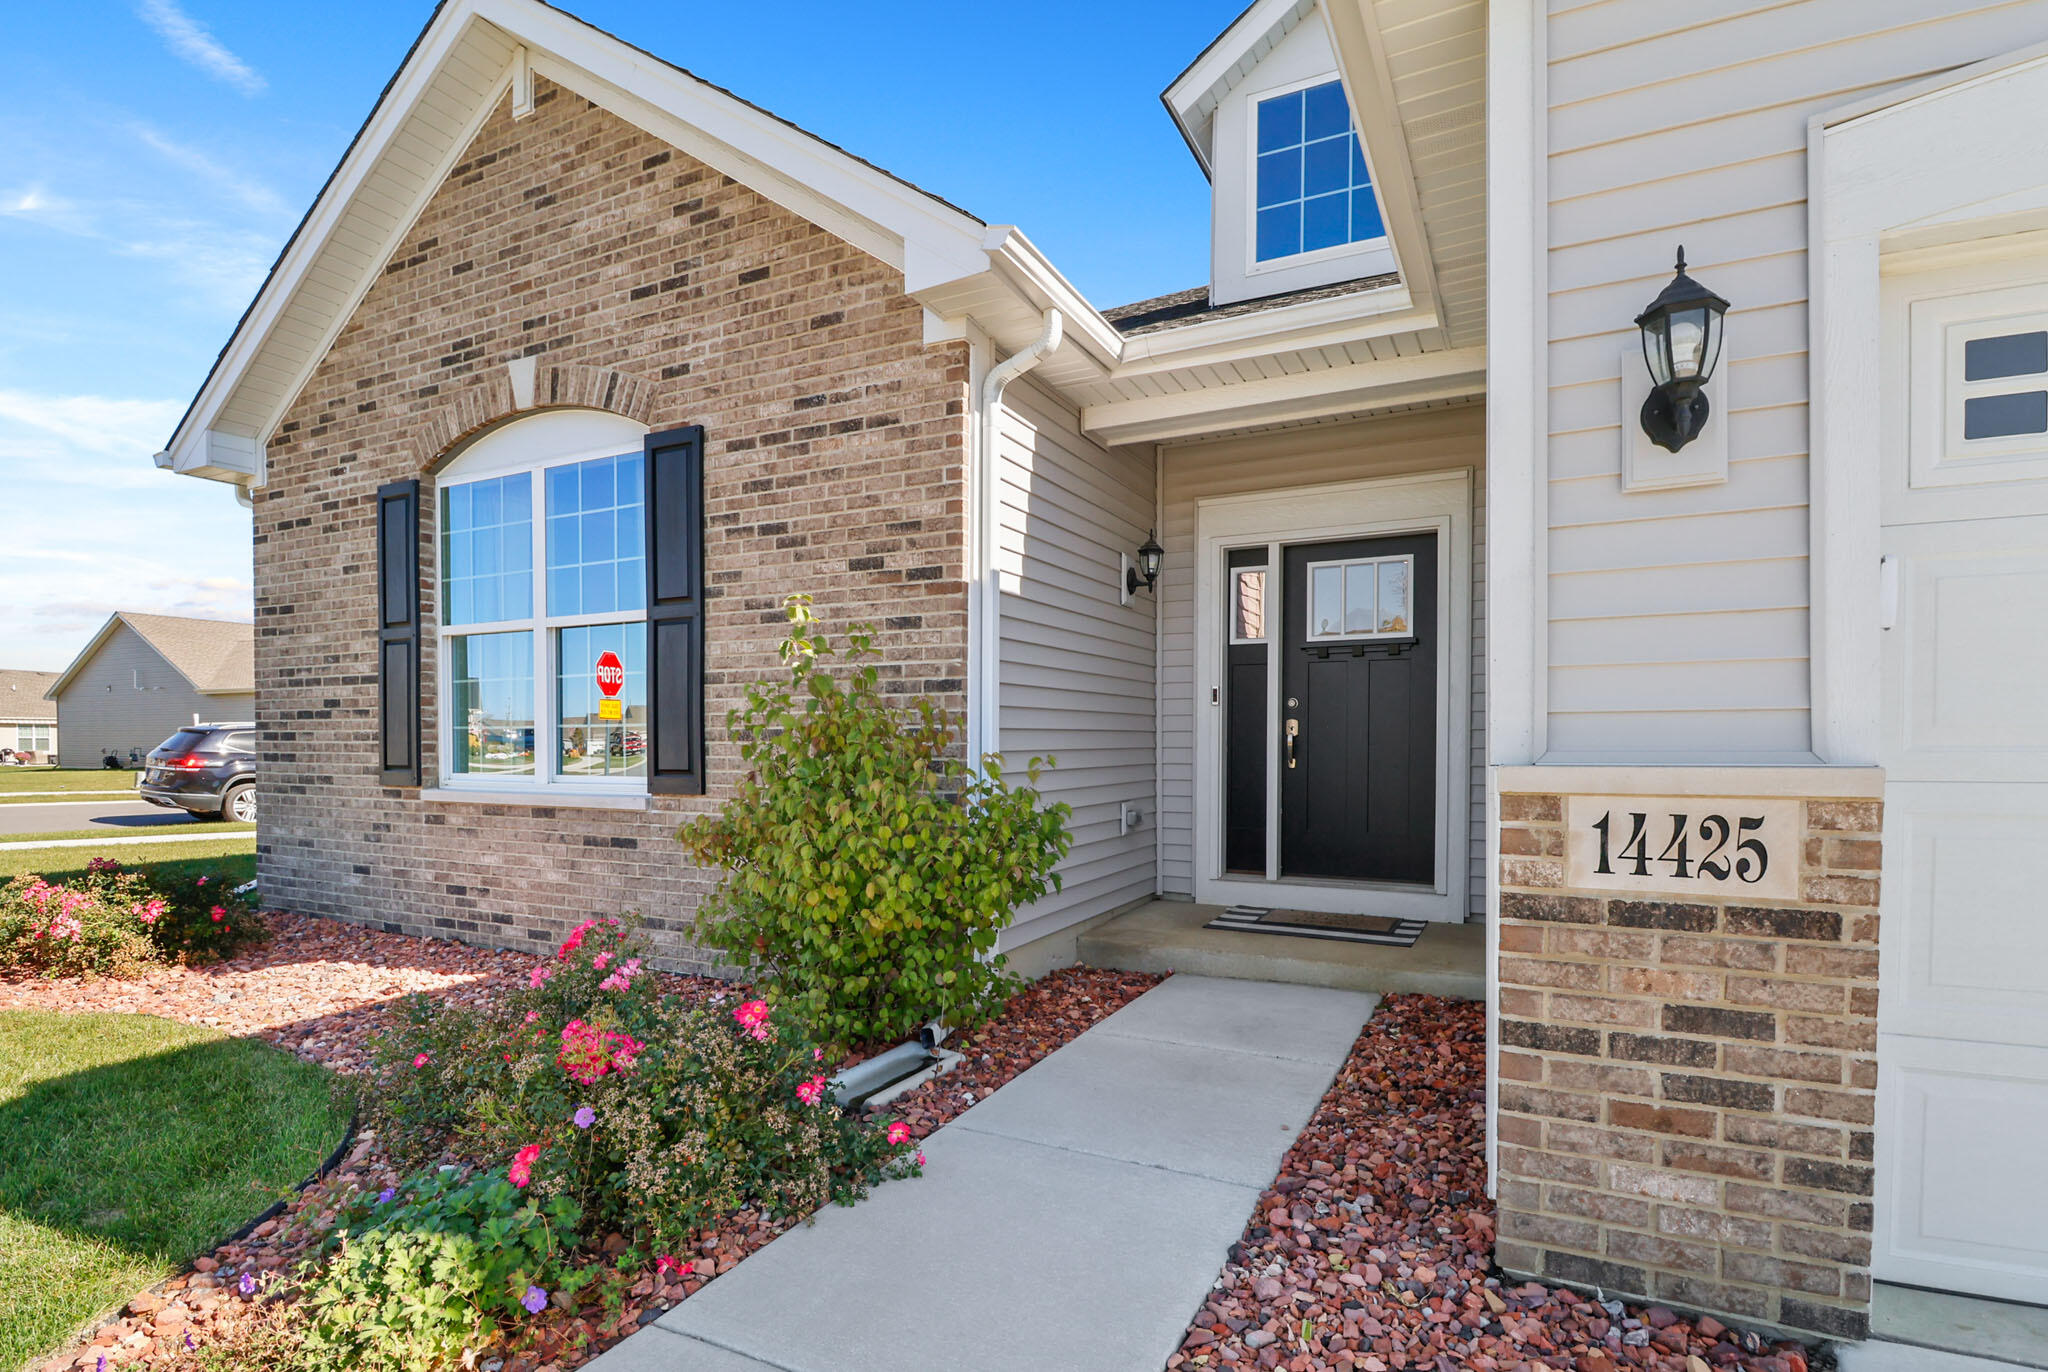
[
  {"x": 1373, "y": 1249},
  {"x": 324, "y": 989}
]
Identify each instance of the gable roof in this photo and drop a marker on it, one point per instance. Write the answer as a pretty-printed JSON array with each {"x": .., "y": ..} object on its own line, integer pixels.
[
  {"x": 217, "y": 656},
  {"x": 1192, "y": 97},
  {"x": 22, "y": 696},
  {"x": 469, "y": 58}
]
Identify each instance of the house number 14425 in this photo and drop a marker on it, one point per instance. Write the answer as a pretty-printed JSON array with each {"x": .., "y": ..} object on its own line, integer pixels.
[{"x": 1683, "y": 845}]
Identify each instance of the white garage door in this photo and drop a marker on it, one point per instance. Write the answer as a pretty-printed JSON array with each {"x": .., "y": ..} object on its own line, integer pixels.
[{"x": 1962, "y": 1131}]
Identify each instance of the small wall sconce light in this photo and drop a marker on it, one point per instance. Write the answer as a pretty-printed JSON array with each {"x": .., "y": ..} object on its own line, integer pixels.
[
  {"x": 1146, "y": 570},
  {"x": 1681, "y": 345}
]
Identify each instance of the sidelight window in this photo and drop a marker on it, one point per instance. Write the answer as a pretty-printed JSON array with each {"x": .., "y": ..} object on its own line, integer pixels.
[
  {"x": 1361, "y": 599},
  {"x": 1248, "y": 605}
]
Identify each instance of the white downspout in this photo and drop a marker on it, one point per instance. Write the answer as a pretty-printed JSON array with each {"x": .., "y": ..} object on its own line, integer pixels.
[{"x": 985, "y": 639}]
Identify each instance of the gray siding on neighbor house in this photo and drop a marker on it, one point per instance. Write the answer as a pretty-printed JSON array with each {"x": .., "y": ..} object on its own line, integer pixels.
[
  {"x": 1077, "y": 665},
  {"x": 1424, "y": 440},
  {"x": 1678, "y": 619},
  {"x": 129, "y": 698}
]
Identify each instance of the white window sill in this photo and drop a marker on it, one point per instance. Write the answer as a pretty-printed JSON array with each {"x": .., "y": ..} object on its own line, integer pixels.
[{"x": 551, "y": 799}]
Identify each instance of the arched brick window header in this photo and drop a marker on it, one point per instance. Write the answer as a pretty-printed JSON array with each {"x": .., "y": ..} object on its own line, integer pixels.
[{"x": 527, "y": 387}]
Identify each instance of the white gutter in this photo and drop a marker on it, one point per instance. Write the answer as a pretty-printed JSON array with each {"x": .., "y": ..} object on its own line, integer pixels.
[{"x": 984, "y": 606}]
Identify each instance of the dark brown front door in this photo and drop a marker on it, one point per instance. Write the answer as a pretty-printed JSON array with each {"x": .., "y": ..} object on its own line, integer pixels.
[{"x": 1358, "y": 644}]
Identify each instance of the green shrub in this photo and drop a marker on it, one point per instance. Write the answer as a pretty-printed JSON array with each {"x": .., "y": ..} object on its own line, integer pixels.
[
  {"x": 203, "y": 918},
  {"x": 657, "y": 1116},
  {"x": 112, "y": 921},
  {"x": 867, "y": 871},
  {"x": 428, "y": 1275}
]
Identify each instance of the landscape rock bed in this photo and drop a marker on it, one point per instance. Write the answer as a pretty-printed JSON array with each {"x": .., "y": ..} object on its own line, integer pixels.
[
  {"x": 323, "y": 990},
  {"x": 1373, "y": 1249}
]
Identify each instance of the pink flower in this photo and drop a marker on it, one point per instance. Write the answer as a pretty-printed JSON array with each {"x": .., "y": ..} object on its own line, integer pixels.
[
  {"x": 423, "y": 1059},
  {"x": 600, "y": 960},
  {"x": 668, "y": 1262},
  {"x": 521, "y": 1170},
  {"x": 538, "y": 976},
  {"x": 753, "y": 1017},
  {"x": 920, "y": 1157},
  {"x": 899, "y": 1132},
  {"x": 532, "y": 1015},
  {"x": 150, "y": 911},
  {"x": 575, "y": 939},
  {"x": 588, "y": 1052},
  {"x": 218, "y": 913},
  {"x": 811, "y": 1090},
  {"x": 200, "y": 882},
  {"x": 817, "y": 1055},
  {"x": 615, "y": 982}
]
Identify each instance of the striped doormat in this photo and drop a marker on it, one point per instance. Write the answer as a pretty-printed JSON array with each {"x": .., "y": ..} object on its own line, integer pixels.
[{"x": 1253, "y": 919}]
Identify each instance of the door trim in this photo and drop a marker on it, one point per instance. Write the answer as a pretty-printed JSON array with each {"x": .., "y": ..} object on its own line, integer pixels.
[{"x": 1432, "y": 502}]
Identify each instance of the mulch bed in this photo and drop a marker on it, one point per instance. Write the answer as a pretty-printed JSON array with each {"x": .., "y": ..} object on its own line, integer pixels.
[
  {"x": 1373, "y": 1249},
  {"x": 324, "y": 989}
]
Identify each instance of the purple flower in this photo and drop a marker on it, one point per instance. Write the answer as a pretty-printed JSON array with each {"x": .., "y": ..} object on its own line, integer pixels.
[
  {"x": 584, "y": 1117},
  {"x": 102, "y": 1363},
  {"x": 188, "y": 1340},
  {"x": 387, "y": 1195},
  {"x": 247, "y": 1285},
  {"x": 536, "y": 1300}
]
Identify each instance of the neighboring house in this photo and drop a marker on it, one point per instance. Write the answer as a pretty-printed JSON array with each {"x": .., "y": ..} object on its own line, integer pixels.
[
  {"x": 28, "y": 722},
  {"x": 143, "y": 676},
  {"x": 577, "y": 353}
]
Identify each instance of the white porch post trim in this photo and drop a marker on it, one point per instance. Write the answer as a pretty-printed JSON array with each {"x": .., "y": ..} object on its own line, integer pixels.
[{"x": 1517, "y": 452}]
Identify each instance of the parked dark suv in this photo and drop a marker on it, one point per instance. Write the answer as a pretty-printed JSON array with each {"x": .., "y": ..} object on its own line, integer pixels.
[{"x": 208, "y": 769}]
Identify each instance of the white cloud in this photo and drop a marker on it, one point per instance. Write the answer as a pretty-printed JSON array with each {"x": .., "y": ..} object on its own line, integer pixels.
[
  {"x": 93, "y": 527},
  {"x": 37, "y": 205},
  {"x": 254, "y": 194},
  {"x": 189, "y": 39}
]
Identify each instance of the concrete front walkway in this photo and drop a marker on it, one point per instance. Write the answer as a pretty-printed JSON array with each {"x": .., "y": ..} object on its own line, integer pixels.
[{"x": 1075, "y": 1219}]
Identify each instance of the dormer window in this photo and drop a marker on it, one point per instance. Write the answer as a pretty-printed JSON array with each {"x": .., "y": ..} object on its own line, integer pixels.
[{"x": 1314, "y": 191}]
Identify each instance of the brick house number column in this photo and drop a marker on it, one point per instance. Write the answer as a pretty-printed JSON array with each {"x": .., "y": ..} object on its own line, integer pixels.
[{"x": 1688, "y": 1030}]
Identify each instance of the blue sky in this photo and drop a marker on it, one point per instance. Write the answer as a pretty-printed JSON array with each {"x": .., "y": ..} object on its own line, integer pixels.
[{"x": 156, "y": 153}]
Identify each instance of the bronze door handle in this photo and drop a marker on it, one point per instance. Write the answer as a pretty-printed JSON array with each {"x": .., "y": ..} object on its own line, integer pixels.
[{"x": 1293, "y": 732}]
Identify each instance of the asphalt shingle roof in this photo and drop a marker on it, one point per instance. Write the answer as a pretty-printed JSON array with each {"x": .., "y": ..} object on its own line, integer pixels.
[{"x": 21, "y": 696}]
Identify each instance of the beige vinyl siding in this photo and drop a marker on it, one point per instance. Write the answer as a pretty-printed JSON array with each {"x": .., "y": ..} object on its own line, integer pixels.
[
  {"x": 128, "y": 698},
  {"x": 1678, "y": 619},
  {"x": 1417, "y": 441},
  {"x": 1077, "y": 666}
]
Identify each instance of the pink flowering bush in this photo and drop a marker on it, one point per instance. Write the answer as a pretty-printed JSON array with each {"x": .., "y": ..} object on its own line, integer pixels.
[
  {"x": 656, "y": 1115},
  {"x": 113, "y": 922}
]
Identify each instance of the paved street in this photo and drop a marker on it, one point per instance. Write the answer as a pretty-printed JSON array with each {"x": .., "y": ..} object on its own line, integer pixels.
[{"x": 113, "y": 814}]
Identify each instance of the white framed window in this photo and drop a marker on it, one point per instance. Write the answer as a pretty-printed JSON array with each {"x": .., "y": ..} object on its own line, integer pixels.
[
  {"x": 543, "y": 575},
  {"x": 1247, "y": 611},
  {"x": 1361, "y": 599},
  {"x": 35, "y": 738},
  {"x": 1979, "y": 395},
  {"x": 1312, "y": 189}
]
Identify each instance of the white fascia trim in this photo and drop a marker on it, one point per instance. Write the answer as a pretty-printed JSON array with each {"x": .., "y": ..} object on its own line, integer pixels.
[
  {"x": 1019, "y": 264},
  {"x": 1362, "y": 63},
  {"x": 1282, "y": 399},
  {"x": 1258, "y": 333},
  {"x": 185, "y": 448},
  {"x": 909, "y": 229},
  {"x": 1213, "y": 67},
  {"x": 1517, "y": 450}
]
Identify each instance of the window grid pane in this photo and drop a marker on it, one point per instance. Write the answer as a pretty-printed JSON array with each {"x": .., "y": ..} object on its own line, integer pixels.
[
  {"x": 596, "y": 533},
  {"x": 1312, "y": 187},
  {"x": 1360, "y": 598},
  {"x": 487, "y": 550},
  {"x": 591, "y": 746},
  {"x": 490, "y": 694}
]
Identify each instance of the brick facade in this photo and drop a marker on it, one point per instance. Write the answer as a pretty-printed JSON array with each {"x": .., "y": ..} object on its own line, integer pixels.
[
  {"x": 1686, "y": 1087},
  {"x": 648, "y": 284}
]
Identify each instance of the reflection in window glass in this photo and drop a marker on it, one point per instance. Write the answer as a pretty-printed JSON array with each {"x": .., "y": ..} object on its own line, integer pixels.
[
  {"x": 596, "y": 536},
  {"x": 1248, "y": 606},
  {"x": 1393, "y": 598},
  {"x": 2012, "y": 354},
  {"x": 490, "y": 694},
  {"x": 591, "y": 745},
  {"x": 1326, "y": 601},
  {"x": 1311, "y": 183},
  {"x": 487, "y": 550},
  {"x": 2002, "y": 416},
  {"x": 1358, "y": 584}
]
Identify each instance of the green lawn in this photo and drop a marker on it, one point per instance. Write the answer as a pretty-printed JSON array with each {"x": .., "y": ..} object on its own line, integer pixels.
[
  {"x": 234, "y": 857},
  {"x": 129, "y": 1145},
  {"x": 50, "y": 783},
  {"x": 104, "y": 831}
]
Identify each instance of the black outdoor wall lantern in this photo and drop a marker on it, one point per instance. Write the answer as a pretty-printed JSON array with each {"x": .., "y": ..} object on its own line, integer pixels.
[
  {"x": 1681, "y": 344},
  {"x": 1150, "y": 556}
]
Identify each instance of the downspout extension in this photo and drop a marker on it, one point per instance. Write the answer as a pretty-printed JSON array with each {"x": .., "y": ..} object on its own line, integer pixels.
[{"x": 986, "y": 648}]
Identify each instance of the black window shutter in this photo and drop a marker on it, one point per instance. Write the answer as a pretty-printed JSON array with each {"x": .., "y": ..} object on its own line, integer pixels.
[
  {"x": 398, "y": 631},
  {"x": 675, "y": 611}
]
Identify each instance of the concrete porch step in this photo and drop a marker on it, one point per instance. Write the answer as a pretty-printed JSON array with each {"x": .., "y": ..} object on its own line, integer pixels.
[{"x": 1167, "y": 936}]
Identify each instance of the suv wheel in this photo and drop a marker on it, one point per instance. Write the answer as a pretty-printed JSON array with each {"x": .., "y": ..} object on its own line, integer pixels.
[{"x": 239, "y": 805}]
